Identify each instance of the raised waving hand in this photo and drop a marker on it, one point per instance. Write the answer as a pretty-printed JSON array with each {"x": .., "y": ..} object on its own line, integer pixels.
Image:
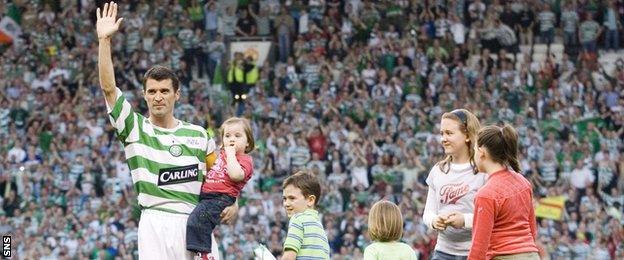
[{"x": 106, "y": 20}]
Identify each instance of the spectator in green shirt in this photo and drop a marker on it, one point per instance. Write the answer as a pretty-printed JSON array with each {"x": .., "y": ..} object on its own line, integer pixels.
[
  {"x": 437, "y": 51},
  {"x": 547, "y": 20},
  {"x": 196, "y": 14},
  {"x": 588, "y": 33},
  {"x": 569, "y": 22}
]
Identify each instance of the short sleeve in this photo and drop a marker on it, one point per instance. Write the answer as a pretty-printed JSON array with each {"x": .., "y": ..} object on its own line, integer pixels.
[
  {"x": 246, "y": 162},
  {"x": 431, "y": 176},
  {"x": 294, "y": 238},
  {"x": 124, "y": 119}
]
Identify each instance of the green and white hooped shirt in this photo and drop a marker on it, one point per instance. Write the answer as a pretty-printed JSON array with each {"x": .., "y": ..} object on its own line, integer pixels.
[{"x": 167, "y": 165}]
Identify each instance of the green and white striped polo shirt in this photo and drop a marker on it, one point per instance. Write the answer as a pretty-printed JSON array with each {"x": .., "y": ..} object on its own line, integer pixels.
[
  {"x": 167, "y": 165},
  {"x": 307, "y": 237}
]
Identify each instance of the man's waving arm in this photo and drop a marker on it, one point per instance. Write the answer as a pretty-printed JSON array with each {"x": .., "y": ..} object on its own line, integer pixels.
[{"x": 106, "y": 27}]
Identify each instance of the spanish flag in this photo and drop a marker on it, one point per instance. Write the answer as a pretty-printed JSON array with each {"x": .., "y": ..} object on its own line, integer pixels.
[{"x": 550, "y": 207}]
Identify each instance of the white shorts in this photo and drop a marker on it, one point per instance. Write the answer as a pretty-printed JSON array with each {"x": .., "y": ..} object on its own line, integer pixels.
[{"x": 162, "y": 235}]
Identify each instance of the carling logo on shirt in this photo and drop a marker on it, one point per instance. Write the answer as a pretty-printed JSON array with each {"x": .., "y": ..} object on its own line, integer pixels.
[
  {"x": 178, "y": 175},
  {"x": 451, "y": 193}
]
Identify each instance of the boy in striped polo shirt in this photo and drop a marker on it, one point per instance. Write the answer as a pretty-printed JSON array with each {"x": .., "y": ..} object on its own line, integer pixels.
[{"x": 306, "y": 237}]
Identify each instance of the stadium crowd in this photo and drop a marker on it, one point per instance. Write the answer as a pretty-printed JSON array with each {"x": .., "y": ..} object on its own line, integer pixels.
[{"x": 355, "y": 95}]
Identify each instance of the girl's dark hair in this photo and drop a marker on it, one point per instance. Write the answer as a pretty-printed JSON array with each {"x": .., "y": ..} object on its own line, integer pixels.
[{"x": 501, "y": 144}]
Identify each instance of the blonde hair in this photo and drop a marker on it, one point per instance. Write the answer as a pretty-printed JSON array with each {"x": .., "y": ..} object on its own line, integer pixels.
[
  {"x": 469, "y": 125},
  {"x": 251, "y": 144},
  {"x": 385, "y": 222}
]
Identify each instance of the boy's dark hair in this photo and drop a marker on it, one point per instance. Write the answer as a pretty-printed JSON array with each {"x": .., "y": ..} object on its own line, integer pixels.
[
  {"x": 160, "y": 73},
  {"x": 306, "y": 182}
]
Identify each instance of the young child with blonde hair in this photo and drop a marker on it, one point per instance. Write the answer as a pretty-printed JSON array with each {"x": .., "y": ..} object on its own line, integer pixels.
[
  {"x": 229, "y": 170},
  {"x": 385, "y": 226}
]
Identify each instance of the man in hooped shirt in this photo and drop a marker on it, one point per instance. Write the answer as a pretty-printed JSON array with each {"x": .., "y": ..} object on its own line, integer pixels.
[{"x": 166, "y": 156}]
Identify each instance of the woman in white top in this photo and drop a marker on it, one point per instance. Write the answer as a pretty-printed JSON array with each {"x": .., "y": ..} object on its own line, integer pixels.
[{"x": 453, "y": 183}]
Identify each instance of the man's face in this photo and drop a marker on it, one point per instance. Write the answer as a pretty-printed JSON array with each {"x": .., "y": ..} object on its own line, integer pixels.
[{"x": 160, "y": 97}]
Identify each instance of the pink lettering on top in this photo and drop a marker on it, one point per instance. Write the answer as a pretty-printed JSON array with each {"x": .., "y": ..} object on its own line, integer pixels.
[{"x": 451, "y": 193}]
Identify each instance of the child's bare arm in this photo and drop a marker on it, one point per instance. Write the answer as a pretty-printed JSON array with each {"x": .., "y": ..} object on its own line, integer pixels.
[
  {"x": 289, "y": 254},
  {"x": 234, "y": 169}
]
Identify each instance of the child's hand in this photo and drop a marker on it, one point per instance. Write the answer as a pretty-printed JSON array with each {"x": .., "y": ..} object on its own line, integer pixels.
[
  {"x": 439, "y": 223},
  {"x": 229, "y": 214},
  {"x": 230, "y": 150},
  {"x": 455, "y": 219}
]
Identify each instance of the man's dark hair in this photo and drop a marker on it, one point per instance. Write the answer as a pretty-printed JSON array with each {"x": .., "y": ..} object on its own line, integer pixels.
[{"x": 160, "y": 73}]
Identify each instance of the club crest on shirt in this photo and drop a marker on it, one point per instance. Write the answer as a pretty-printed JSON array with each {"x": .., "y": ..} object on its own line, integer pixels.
[
  {"x": 451, "y": 193},
  {"x": 175, "y": 150}
]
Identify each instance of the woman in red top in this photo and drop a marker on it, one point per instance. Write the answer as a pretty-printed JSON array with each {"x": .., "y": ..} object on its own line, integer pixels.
[{"x": 504, "y": 219}]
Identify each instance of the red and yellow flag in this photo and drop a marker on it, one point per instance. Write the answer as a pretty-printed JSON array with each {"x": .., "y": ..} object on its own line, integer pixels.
[{"x": 550, "y": 207}]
